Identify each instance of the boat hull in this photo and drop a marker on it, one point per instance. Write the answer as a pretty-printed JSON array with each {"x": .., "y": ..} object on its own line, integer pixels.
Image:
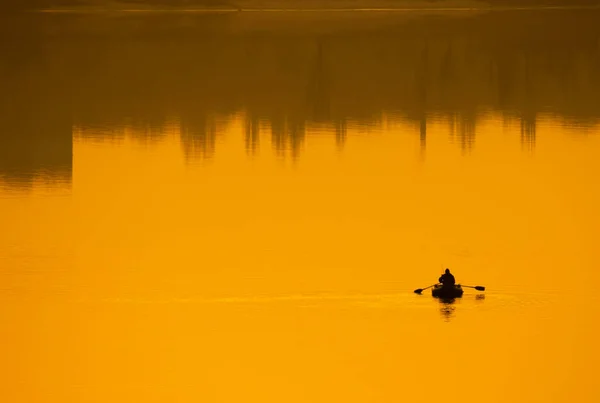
[{"x": 447, "y": 292}]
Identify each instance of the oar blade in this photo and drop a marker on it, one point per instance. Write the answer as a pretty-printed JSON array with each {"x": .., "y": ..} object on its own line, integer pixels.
[
  {"x": 420, "y": 290},
  {"x": 480, "y": 288}
]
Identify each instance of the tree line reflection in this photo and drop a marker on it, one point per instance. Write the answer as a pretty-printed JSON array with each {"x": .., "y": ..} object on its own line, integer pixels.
[{"x": 64, "y": 71}]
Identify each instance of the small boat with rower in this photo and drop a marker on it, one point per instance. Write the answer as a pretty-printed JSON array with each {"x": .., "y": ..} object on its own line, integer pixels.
[{"x": 446, "y": 292}]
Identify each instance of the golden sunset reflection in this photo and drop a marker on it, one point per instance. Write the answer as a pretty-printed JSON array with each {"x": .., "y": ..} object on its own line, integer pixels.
[{"x": 238, "y": 208}]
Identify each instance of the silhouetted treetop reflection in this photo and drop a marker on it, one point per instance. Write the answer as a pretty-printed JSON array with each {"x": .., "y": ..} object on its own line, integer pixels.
[{"x": 299, "y": 73}]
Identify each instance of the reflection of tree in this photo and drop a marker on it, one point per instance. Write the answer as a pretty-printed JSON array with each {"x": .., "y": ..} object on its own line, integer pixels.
[
  {"x": 287, "y": 134},
  {"x": 341, "y": 132},
  {"x": 198, "y": 137},
  {"x": 318, "y": 88},
  {"x": 423, "y": 133},
  {"x": 466, "y": 132},
  {"x": 462, "y": 130},
  {"x": 319, "y": 96},
  {"x": 528, "y": 131},
  {"x": 278, "y": 130},
  {"x": 35, "y": 144},
  {"x": 422, "y": 81},
  {"x": 296, "y": 134},
  {"x": 35, "y": 124},
  {"x": 252, "y": 134},
  {"x": 135, "y": 71}
]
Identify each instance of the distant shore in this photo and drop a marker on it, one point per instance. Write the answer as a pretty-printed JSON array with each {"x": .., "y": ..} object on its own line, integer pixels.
[{"x": 289, "y": 5}]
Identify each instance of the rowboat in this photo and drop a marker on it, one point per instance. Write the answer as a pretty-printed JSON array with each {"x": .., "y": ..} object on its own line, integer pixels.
[{"x": 440, "y": 291}]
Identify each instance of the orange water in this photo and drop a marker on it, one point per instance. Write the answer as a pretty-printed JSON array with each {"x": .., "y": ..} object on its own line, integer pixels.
[{"x": 242, "y": 217}]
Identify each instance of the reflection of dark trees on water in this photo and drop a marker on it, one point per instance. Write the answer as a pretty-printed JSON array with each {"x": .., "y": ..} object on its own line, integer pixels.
[
  {"x": 528, "y": 129},
  {"x": 318, "y": 88},
  {"x": 35, "y": 121},
  {"x": 252, "y": 135},
  {"x": 341, "y": 129},
  {"x": 198, "y": 136},
  {"x": 462, "y": 130},
  {"x": 57, "y": 70},
  {"x": 287, "y": 134}
]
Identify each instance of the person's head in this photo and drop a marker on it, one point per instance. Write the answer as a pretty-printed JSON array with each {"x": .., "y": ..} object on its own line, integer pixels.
[{"x": 447, "y": 271}]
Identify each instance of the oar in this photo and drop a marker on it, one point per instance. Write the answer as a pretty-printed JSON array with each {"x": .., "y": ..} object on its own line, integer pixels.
[
  {"x": 477, "y": 287},
  {"x": 420, "y": 290}
]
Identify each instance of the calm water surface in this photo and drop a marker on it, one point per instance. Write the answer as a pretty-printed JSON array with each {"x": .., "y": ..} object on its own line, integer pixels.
[{"x": 234, "y": 208}]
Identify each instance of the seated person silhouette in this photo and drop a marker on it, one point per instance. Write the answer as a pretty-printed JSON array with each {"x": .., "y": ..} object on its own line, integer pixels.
[{"x": 447, "y": 279}]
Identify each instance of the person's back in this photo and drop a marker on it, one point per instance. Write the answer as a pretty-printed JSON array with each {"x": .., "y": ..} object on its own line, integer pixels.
[{"x": 447, "y": 279}]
